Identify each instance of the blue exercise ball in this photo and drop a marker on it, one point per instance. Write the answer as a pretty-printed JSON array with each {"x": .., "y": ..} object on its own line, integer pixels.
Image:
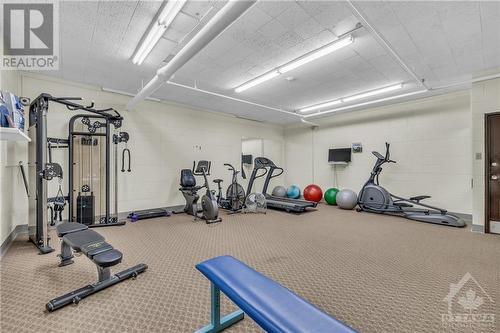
[
  {"x": 347, "y": 199},
  {"x": 279, "y": 191},
  {"x": 293, "y": 192}
]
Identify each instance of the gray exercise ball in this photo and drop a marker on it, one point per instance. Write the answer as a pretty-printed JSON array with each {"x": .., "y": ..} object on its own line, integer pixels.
[
  {"x": 347, "y": 199},
  {"x": 279, "y": 191}
]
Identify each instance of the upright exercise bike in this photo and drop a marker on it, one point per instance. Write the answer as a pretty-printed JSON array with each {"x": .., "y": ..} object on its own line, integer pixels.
[
  {"x": 235, "y": 194},
  {"x": 209, "y": 207},
  {"x": 373, "y": 198}
]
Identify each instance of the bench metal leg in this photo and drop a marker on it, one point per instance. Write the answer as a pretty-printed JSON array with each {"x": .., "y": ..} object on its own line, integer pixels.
[
  {"x": 76, "y": 296},
  {"x": 66, "y": 254},
  {"x": 219, "y": 324},
  {"x": 103, "y": 273}
]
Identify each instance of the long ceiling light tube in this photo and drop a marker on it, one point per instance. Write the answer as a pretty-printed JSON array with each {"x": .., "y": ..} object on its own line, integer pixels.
[
  {"x": 365, "y": 103},
  {"x": 307, "y": 58},
  {"x": 351, "y": 98},
  {"x": 165, "y": 18},
  {"x": 372, "y": 93},
  {"x": 316, "y": 54},
  {"x": 320, "y": 106},
  {"x": 258, "y": 80}
]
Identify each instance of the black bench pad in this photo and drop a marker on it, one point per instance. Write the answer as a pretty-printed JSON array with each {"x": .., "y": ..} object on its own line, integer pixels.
[
  {"x": 95, "y": 248},
  {"x": 69, "y": 227},
  {"x": 79, "y": 239},
  {"x": 108, "y": 258}
]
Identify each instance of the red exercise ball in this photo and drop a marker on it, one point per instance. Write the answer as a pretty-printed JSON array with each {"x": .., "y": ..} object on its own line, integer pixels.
[{"x": 313, "y": 193}]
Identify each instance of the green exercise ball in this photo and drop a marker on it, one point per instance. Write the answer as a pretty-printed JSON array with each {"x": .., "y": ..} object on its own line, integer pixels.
[{"x": 331, "y": 196}]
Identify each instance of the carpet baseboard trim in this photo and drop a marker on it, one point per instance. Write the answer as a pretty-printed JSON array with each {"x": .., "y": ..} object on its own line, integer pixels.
[
  {"x": 466, "y": 217},
  {"x": 18, "y": 230},
  {"x": 477, "y": 228}
]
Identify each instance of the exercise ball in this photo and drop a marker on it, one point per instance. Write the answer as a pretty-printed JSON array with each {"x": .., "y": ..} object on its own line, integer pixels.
[
  {"x": 331, "y": 196},
  {"x": 293, "y": 192},
  {"x": 313, "y": 193},
  {"x": 347, "y": 199},
  {"x": 279, "y": 191}
]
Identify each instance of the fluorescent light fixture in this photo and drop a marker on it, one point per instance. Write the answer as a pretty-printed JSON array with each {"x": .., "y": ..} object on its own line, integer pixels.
[
  {"x": 149, "y": 42},
  {"x": 165, "y": 18},
  {"x": 320, "y": 106},
  {"x": 316, "y": 54},
  {"x": 372, "y": 93},
  {"x": 385, "y": 99},
  {"x": 170, "y": 11},
  {"x": 258, "y": 80},
  {"x": 351, "y": 98}
]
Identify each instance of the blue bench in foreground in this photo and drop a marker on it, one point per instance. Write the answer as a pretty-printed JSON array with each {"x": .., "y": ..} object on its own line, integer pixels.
[{"x": 269, "y": 304}]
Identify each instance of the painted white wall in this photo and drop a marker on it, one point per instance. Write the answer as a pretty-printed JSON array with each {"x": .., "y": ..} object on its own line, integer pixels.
[
  {"x": 430, "y": 139},
  {"x": 164, "y": 138},
  {"x": 13, "y": 198},
  {"x": 485, "y": 98}
]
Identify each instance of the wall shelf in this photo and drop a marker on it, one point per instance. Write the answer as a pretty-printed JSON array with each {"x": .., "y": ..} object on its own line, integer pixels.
[{"x": 13, "y": 134}]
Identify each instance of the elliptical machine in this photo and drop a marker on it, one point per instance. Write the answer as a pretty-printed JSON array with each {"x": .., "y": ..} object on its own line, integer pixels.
[
  {"x": 373, "y": 198},
  {"x": 235, "y": 194},
  {"x": 209, "y": 208}
]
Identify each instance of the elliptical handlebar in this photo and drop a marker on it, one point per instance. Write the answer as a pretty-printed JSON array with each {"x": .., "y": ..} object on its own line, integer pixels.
[
  {"x": 388, "y": 154},
  {"x": 387, "y": 157}
]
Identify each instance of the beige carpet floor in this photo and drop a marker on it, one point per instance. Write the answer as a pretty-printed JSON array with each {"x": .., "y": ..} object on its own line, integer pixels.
[{"x": 376, "y": 273}]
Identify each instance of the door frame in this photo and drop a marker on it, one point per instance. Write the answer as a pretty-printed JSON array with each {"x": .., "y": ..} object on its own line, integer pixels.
[{"x": 487, "y": 149}]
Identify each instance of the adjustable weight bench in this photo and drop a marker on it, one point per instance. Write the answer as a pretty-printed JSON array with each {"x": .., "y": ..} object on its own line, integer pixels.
[
  {"x": 77, "y": 237},
  {"x": 272, "y": 306}
]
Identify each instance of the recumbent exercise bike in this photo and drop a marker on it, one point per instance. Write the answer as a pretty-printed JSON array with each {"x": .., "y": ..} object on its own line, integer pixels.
[{"x": 189, "y": 189}]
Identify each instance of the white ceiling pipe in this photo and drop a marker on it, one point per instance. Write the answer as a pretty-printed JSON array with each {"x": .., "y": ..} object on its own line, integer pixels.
[
  {"x": 222, "y": 20},
  {"x": 356, "y": 12},
  {"x": 232, "y": 98},
  {"x": 467, "y": 82}
]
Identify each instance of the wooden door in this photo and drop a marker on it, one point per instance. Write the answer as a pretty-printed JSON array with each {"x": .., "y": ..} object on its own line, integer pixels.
[{"x": 492, "y": 223}]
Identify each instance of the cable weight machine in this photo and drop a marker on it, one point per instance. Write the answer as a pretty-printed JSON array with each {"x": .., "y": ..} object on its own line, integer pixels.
[{"x": 90, "y": 185}]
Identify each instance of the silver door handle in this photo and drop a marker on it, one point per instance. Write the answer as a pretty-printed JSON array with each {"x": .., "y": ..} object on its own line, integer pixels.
[
  {"x": 494, "y": 164},
  {"x": 494, "y": 177}
]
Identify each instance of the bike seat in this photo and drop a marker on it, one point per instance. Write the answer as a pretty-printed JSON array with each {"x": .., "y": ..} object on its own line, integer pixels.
[
  {"x": 217, "y": 181},
  {"x": 420, "y": 197}
]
